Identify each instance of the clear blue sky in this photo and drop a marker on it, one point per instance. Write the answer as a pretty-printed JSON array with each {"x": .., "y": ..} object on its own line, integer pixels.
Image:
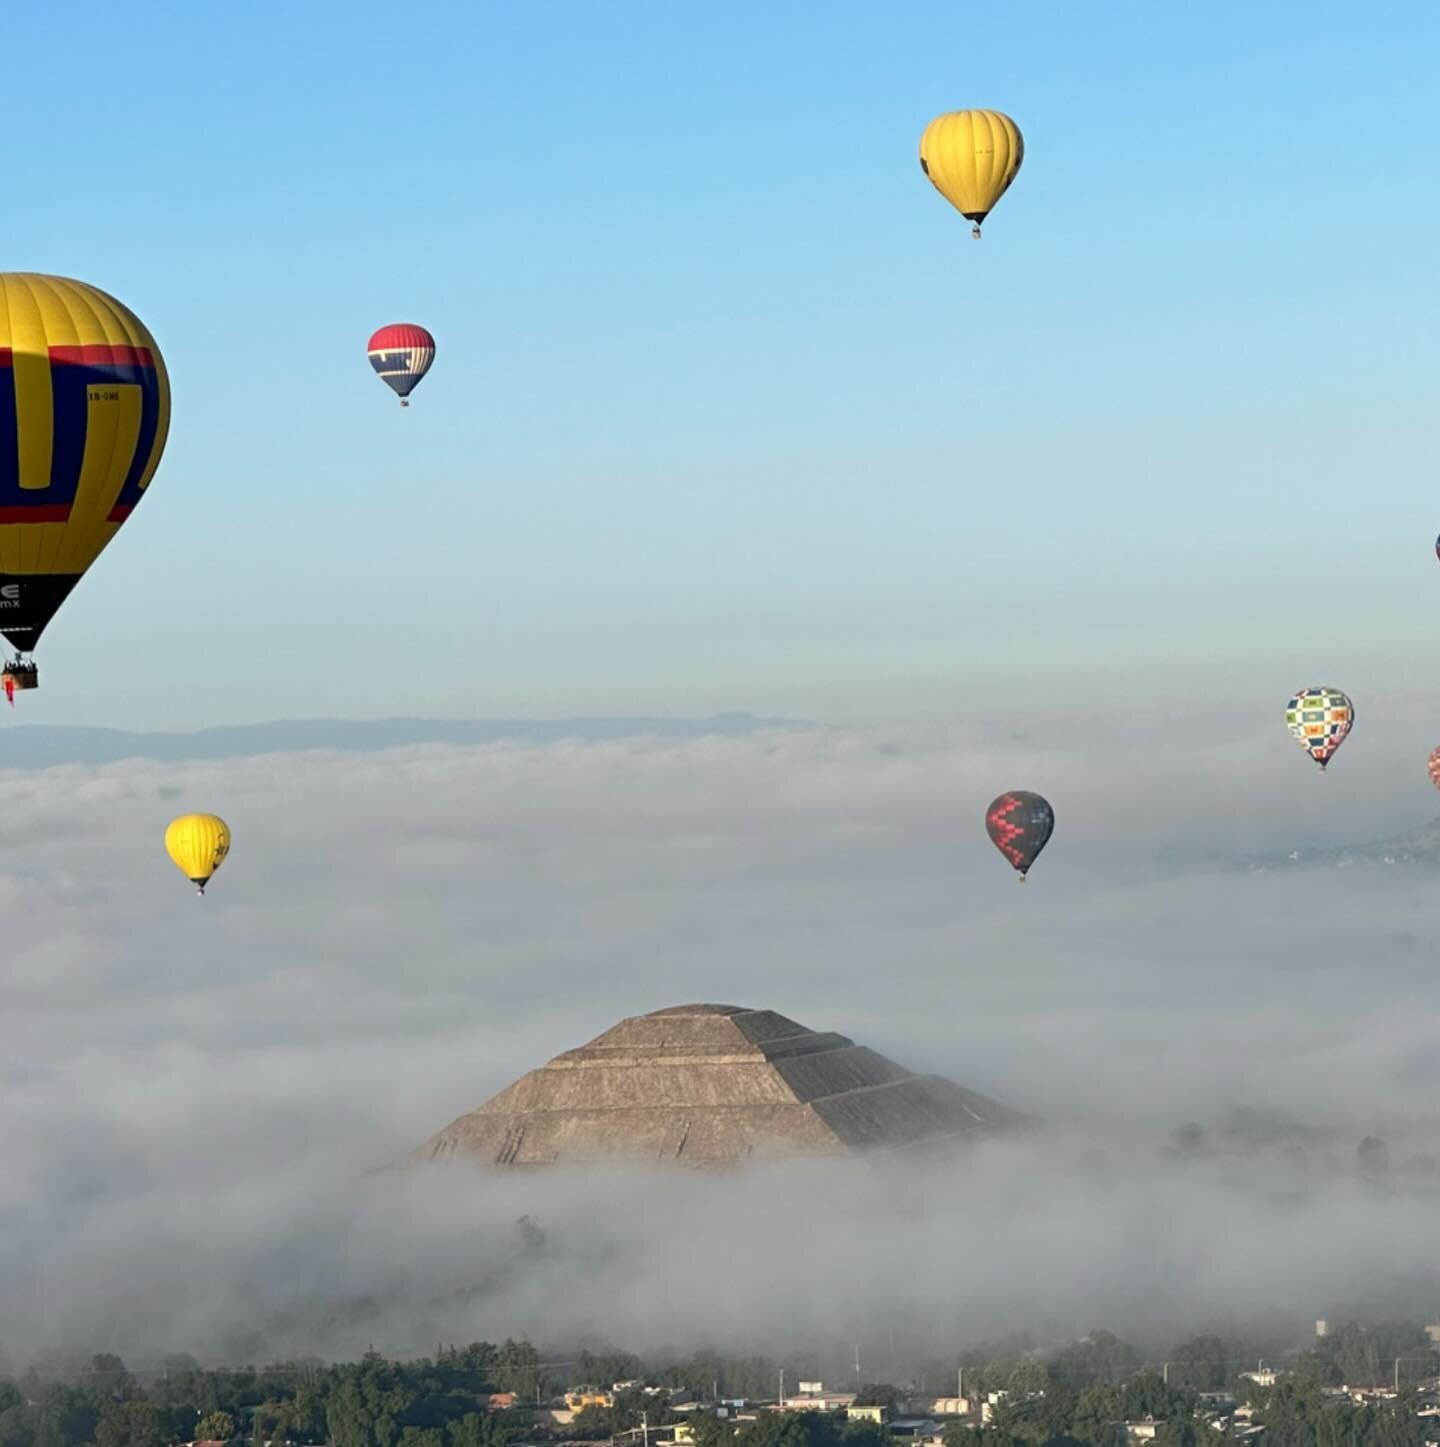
[{"x": 728, "y": 410}]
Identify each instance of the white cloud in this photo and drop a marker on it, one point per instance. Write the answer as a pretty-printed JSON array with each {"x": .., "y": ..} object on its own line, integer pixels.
[{"x": 193, "y": 1089}]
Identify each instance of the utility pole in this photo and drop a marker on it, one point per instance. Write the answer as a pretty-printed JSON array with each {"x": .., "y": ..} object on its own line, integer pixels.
[
  {"x": 1165, "y": 1374},
  {"x": 857, "y": 1364},
  {"x": 780, "y": 1405},
  {"x": 960, "y": 1382},
  {"x": 645, "y": 1427},
  {"x": 1397, "y": 1376}
]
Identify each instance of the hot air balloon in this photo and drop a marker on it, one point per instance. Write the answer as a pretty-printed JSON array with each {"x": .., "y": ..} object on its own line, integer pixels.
[
  {"x": 401, "y": 355},
  {"x": 1319, "y": 720},
  {"x": 971, "y": 157},
  {"x": 84, "y": 411},
  {"x": 1434, "y": 767},
  {"x": 1437, "y": 547},
  {"x": 1020, "y": 825},
  {"x": 197, "y": 845}
]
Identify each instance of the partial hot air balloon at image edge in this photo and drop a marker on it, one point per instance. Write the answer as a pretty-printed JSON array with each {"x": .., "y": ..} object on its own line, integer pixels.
[
  {"x": 1319, "y": 720},
  {"x": 1432, "y": 767},
  {"x": 1020, "y": 824},
  {"x": 401, "y": 354},
  {"x": 971, "y": 157},
  {"x": 84, "y": 396},
  {"x": 197, "y": 845}
]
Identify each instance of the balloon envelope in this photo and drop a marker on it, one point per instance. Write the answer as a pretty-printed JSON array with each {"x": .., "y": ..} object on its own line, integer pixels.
[
  {"x": 1319, "y": 719},
  {"x": 971, "y": 157},
  {"x": 1020, "y": 825},
  {"x": 197, "y": 845},
  {"x": 401, "y": 355},
  {"x": 1434, "y": 767},
  {"x": 84, "y": 412}
]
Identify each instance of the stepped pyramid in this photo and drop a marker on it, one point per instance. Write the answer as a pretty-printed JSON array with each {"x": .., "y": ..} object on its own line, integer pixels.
[{"x": 710, "y": 1085}]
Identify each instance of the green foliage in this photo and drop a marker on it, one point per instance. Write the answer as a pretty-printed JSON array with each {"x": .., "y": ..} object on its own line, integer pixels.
[
  {"x": 602, "y": 1369},
  {"x": 1298, "y": 1416},
  {"x": 793, "y": 1429},
  {"x": 217, "y": 1427},
  {"x": 132, "y": 1423},
  {"x": 1357, "y": 1356},
  {"x": 1098, "y": 1358},
  {"x": 1073, "y": 1399},
  {"x": 877, "y": 1394},
  {"x": 1203, "y": 1364},
  {"x": 707, "y": 1372},
  {"x": 957, "y": 1434},
  {"x": 711, "y": 1431},
  {"x": 864, "y": 1434}
]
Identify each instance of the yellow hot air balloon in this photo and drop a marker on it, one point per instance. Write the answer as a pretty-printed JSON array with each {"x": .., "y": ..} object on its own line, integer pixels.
[
  {"x": 972, "y": 157},
  {"x": 198, "y": 844},
  {"x": 84, "y": 411}
]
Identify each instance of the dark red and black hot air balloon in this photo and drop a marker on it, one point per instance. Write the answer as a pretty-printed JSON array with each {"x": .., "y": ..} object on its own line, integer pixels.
[
  {"x": 1020, "y": 825},
  {"x": 401, "y": 355}
]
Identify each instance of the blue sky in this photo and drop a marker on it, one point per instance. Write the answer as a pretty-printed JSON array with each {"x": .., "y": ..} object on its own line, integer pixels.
[{"x": 728, "y": 410}]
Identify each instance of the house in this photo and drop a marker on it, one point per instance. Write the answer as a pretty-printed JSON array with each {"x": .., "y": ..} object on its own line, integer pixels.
[
  {"x": 877, "y": 1414},
  {"x": 578, "y": 1398},
  {"x": 823, "y": 1402},
  {"x": 1143, "y": 1429},
  {"x": 916, "y": 1430},
  {"x": 500, "y": 1401},
  {"x": 950, "y": 1407},
  {"x": 1369, "y": 1396},
  {"x": 1262, "y": 1376}
]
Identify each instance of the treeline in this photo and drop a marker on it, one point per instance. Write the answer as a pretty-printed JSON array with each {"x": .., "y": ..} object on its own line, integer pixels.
[
  {"x": 369, "y": 1403},
  {"x": 1070, "y": 1397}
]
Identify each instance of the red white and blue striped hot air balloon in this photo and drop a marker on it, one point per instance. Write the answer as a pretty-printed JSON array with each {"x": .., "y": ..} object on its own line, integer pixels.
[{"x": 401, "y": 355}]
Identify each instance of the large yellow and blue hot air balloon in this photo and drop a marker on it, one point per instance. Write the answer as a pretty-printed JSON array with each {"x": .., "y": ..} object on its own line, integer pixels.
[
  {"x": 84, "y": 411},
  {"x": 971, "y": 158},
  {"x": 197, "y": 845}
]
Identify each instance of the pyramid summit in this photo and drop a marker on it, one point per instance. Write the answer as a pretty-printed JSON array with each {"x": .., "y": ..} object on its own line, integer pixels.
[{"x": 711, "y": 1085}]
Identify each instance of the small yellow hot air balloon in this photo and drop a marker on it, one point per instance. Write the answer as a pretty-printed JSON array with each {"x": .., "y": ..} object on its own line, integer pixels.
[
  {"x": 197, "y": 844},
  {"x": 971, "y": 157}
]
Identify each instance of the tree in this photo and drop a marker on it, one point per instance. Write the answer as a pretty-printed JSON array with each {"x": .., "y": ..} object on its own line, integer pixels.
[
  {"x": 957, "y": 1434},
  {"x": 106, "y": 1376},
  {"x": 1373, "y": 1155},
  {"x": 1190, "y": 1139},
  {"x": 1202, "y": 1364},
  {"x": 877, "y": 1394},
  {"x": 1099, "y": 1357},
  {"x": 477, "y": 1429},
  {"x": 131, "y": 1423},
  {"x": 1027, "y": 1379},
  {"x": 367, "y": 1404},
  {"x": 217, "y": 1427},
  {"x": 864, "y": 1433},
  {"x": 518, "y": 1369},
  {"x": 711, "y": 1431},
  {"x": 790, "y": 1429},
  {"x": 1096, "y": 1409}
]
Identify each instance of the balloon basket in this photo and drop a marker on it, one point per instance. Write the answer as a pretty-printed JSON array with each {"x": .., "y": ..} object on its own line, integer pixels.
[{"x": 20, "y": 676}]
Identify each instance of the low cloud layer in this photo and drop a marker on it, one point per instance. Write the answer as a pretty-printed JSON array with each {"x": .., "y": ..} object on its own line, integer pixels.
[{"x": 194, "y": 1090}]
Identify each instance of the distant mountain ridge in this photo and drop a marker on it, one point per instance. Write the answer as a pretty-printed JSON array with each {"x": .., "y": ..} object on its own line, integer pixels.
[
  {"x": 1418, "y": 846},
  {"x": 39, "y": 746}
]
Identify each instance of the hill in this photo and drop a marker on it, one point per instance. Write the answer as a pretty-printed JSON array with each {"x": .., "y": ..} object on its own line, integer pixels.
[{"x": 39, "y": 746}]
